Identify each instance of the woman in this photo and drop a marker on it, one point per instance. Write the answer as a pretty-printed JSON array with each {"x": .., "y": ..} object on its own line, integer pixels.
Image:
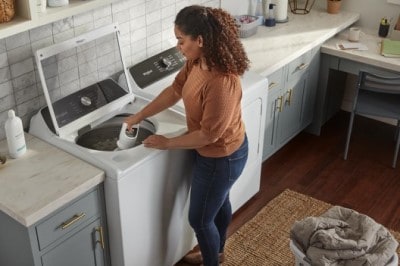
[{"x": 209, "y": 84}]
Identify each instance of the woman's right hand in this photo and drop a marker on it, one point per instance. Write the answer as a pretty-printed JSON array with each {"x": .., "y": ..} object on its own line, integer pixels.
[{"x": 132, "y": 120}]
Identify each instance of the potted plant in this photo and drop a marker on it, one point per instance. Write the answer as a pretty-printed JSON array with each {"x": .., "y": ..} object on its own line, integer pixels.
[{"x": 333, "y": 6}]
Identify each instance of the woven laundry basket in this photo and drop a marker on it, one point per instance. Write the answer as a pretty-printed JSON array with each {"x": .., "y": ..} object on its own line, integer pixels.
[{"x": 7, "y": 10}]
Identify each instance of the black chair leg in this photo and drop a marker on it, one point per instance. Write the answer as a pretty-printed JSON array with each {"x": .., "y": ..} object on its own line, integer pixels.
[
  {"x": 350, "y": 129},
  {"x": 396, "y": 151}
]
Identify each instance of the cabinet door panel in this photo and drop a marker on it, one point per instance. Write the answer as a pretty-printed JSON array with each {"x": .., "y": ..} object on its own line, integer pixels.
[
  {"x": 290, "y": 117},
  {"x": 80, "y": 249},
  {"x": 276, "y": 82},
  {"x": 271, "y": 124}
]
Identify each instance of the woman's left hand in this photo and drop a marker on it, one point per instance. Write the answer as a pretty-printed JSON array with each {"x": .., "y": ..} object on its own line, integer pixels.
[{"x": 157, "y": 142}]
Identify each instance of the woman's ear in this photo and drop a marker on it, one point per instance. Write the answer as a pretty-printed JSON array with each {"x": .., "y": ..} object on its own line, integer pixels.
[{"x": 200, "y": 41}]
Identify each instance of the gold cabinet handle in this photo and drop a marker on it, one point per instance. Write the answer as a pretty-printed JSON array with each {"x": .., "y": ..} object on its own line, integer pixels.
[
  {"x": 289, "y": 98},
  {"x": 101, "y": 236},
  {"x": 302, "y": 66},
  {"x": 271, "y": 85},
  {"x": 73, "y": 220},
  {"x": 280, "y": 106}
]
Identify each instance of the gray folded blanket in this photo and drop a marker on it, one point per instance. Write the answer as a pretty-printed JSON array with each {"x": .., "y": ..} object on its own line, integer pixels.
[{"x": 343, "y": 236}]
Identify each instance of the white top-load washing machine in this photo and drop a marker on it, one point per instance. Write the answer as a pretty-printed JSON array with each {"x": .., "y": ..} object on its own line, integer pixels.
[{"x": 146, "y": 190}]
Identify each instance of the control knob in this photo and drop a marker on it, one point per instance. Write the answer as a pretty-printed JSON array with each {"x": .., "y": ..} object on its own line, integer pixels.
[{"x": 165, "y": 63}]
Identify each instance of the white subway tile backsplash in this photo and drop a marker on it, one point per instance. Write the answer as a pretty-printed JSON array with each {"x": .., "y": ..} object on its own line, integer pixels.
[
  {"x": 153, "y": 29},
  {"x": 138, "y": 34},
  {"x": 153, "y": 50},
  {"x": 68, "y": 76},
  {"x": 53, "y": 85},
  {"x": 26, "y": 94},
  {"x": 3, "y": 118},
  {"x": 83, "y": 28},
  {"x": 104, "y": 60},
  {"x": 5, "y": 74},
  {"x": 67, "y": 63},
  {"x": 137, "y": 2},
  {"x": 41, "y": 32},
  {"x": 62, "y": 25},
  {"x": 124, "y": 26},
  {"x": 125, "y": 40},
  {"x": 85, "y": 56},
  {"x": 137, "y": 11},
  {"x": 6, "y": 89},
  {"x": 17, "y": 40},
  {"x": 139, "y": 48},
  {"x": 27, "y": 109},
  {"x": 3, "y": 60},
  {"x": 69, "y": 87},
  {"x": 87, "y": 68},
  {"x": 146, "y": 28},
  {"x": 41, "y": 43},
  {"x": 138, "y": 23},
  {"x": 88, "y": 79},
  {"x": 2, "y": 45},
  {"x": 168, "y": 11},
  {"x": 21, "y": 67},
  {"x": 19, "y": 54},
  {"x": 107, "y": 20},
  {"x": 154, "y": 39},
  {"x": 7, "y": 102},
  {"x": 64, "y": 35},
  {"x": 153, "y": 16},
  {"x": 168, "y": 24},
  {"x": 152, "y": 5},
  {"x": 101, "y": 12},
  {"x": 119, "y": 6},
  {"x": 83, "y": 19},
  {"x": 23, "y": 81},
  {"x": 165, "y": 3}
]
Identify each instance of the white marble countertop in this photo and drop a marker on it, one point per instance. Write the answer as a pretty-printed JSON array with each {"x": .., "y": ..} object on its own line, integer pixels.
[
  {"x": 42, "y": 180},
  {"x": 274, "y": 47},
  {"x": 371, "y": 56}
]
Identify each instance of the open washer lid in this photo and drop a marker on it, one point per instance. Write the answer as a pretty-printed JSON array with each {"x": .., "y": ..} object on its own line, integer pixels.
[{"x": 80, "y": 79}]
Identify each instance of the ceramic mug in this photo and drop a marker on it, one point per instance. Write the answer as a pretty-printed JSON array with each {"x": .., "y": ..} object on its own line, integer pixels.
[
  {"x": 127, "y": 139},
  {"x": 354, "y": 34}
]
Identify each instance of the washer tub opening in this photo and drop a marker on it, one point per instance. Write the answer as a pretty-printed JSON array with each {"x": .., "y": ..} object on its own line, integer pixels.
[{"x": 104, "y": 137}]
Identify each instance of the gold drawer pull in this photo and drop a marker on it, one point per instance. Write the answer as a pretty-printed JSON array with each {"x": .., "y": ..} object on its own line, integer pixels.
[
  {"x": 302, "y": 66},
  {"x": 289, "y": 98},
  {"x": 73, "y": 220},
  {"x": 101, "y": 236},
  {"x": 280, "y": 106},
  {"x": 271, "y": 85}
]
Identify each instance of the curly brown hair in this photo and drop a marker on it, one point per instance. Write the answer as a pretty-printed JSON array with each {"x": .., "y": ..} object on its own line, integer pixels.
[{"x": 222, "y": 48}]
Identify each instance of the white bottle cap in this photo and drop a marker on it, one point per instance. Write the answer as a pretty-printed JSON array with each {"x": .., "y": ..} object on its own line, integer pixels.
[{"x": 11, "y": 113}]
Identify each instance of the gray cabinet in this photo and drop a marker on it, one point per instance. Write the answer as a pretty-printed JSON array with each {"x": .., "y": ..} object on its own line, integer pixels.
[
  {"x": 291, "y": 98},
  {"x": 73, "y": 235}
]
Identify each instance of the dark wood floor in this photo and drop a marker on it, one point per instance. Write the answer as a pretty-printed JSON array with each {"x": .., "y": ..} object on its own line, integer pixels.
[{"x": 314, "y": 165}]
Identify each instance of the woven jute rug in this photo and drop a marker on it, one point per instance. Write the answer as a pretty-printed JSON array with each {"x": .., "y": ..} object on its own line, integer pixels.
[{"x": 264, "y": 240}]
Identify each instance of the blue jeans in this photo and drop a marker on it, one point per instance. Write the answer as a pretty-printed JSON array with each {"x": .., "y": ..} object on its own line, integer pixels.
[{"x": 210, "y": 210}]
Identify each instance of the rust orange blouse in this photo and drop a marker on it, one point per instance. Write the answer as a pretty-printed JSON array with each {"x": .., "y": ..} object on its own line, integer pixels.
[{"x": 213, "y": 105}]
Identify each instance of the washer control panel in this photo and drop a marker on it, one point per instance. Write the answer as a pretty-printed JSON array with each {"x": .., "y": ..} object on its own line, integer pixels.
[{"x": 157, "y": 67}]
